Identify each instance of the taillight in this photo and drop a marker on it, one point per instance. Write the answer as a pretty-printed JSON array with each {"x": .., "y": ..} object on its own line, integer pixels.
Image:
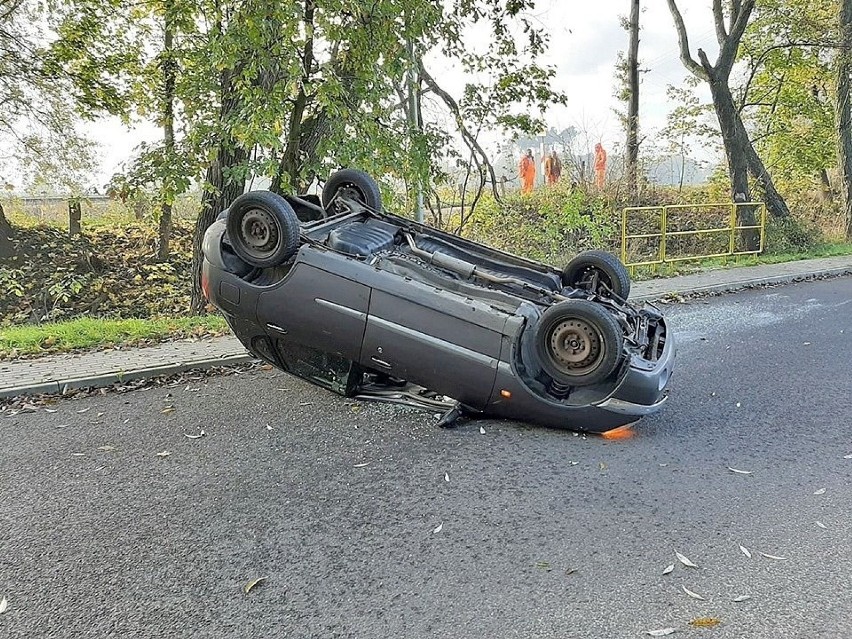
[{"x": 205, "y": 285}]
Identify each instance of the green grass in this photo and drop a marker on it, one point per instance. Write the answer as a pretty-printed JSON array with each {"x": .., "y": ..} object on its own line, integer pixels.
[
  {"x": 682, "y": 268},
  {"x": 89, "y": 333}
]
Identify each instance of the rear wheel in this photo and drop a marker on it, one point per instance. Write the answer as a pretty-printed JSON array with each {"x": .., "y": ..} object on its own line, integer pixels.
[
  {"x": 598, "y": 271},
  {"x": 579, "y": 343},
  {"x": 351, "y": 184},
  {"x": 263, "y": 229}
]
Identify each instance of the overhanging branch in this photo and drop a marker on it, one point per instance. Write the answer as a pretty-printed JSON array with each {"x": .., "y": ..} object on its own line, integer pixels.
[{"x": 683, "y": 42}]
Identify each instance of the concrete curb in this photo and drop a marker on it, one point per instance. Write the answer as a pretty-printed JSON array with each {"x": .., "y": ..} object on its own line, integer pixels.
[
  {"x": 739, "y": 285},
  {"x": 108, "y": 379}
]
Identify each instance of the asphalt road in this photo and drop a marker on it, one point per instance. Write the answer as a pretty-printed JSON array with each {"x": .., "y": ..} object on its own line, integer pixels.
[{"x": 542, "y": 533}]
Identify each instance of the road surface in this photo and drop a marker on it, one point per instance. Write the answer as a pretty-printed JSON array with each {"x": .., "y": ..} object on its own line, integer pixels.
[{"x": 367, "y": 521}]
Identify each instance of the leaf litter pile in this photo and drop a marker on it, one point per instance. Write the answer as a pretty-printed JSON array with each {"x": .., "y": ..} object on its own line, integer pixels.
[{"x": 104, "y": 271}]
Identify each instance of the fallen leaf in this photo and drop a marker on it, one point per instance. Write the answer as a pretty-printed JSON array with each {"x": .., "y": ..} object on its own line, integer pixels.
[
  {"x": 668, "y": 569},
  {"x": 268, "y": 427},
  {"x": 4, "y": 605},
  {"x": 821, "y": 491},
  {"x": 570, "y": 571},
  {"x": 543, "y": 565},
  {"x": 50, "y": 410},
  {"x": 822, "y": 525},
  {"x": 78, "y": 454},
  {"x": 694, "y": 595},
  {"x": 306, "y": 404},
  {"x": 481, "y": 430},
  {"x": 662, "y": 632},
  {"x": 738, "y": 404},
  {"x": 167, "y": 410},
  {"x": 705, "y": 622},
  {"x": 741, "y": 598},
  {"x": 807, "y": 343},
  {"x": 84, "y": 410},
  {"x": 247, "y": 588},
  {"x": 106, "y": 448},
  {"x": 740, "y": 472},
  {"x": 684, "y": 560},
  {"x": 446, "y": 476},
  {"x": 745, "y": 551},
  {"x": 602, "y": 466},
  {"x": 573, "y": 463},
  {"x": 164, "y": 453},
  {"x": 365, "y": 464},
  {"x": 847, "y": 456},
  {"x": 439, "y": 528},
  {"x": 773, "y": 557},
  {"x": 198, "y": 436}
]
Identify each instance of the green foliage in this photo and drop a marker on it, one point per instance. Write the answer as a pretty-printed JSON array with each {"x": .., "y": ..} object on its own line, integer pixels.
[
  {"x": 788, "y": 87},
  {"x": 549, "y": 225}
]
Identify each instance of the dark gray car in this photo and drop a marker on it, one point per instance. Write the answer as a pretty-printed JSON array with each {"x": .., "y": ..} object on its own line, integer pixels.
[{"x": 366, "y": 303}]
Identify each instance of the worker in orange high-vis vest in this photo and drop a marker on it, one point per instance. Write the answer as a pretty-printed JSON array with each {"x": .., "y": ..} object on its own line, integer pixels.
[
  {"x": 552, "y": 167},
  {"x": 527, "y": 172},
  {"x": 600, "y": 166}
]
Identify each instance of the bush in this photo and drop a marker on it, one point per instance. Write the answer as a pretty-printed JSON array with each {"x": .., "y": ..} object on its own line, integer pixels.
[{"x": 550, "y": 225}]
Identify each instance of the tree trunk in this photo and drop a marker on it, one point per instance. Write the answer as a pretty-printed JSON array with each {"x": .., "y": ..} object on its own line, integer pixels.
[
  {"x": 222, "y": 189},
  {"x": 169, "y": 73},
  {"x": 826, "y": 192},
  {"x": 75, "y": 214},
  {"x": 742, "y": 158},
  {"x": 735, "y": 140},
  {"x": 633, "y": 105},
  {"x": 7, "y": 248},
  {"x": 843, "y": 103}
]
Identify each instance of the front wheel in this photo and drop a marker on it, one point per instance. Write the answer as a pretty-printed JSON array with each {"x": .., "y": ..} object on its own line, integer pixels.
[
  {"x": 579, "y": 343},
  {"x": 263, "y": 229}
]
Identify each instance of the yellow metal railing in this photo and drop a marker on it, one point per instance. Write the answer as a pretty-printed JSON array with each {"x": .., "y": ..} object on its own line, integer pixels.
[{"x": 665, "y": 213}]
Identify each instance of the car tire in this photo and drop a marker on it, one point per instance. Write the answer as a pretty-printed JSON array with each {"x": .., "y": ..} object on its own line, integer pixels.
[
  {"x": 355, "y": 184},
  {"x": 263, "y": 229},
  {"x": 579, "y": 343},
  {"x": 608, "y": 269}
]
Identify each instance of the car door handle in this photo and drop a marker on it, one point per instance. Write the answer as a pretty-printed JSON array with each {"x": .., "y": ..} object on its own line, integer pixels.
[{"x": 381, "y": 362}]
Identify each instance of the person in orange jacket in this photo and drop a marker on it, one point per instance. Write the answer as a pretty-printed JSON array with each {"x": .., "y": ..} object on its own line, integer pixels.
[
  {"x": 552, "y": 167},
  {"x": 600, "y": 166},
  {"x": 527, "y": 172}
]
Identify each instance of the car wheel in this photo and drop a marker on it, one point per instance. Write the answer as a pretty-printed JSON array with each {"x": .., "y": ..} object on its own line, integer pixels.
[
  {"x": 263, "y": 229},
  {"x": 352, "y": 184},
  {"x": 579, "y": 343},
  {"x": 598, "y": 271}
]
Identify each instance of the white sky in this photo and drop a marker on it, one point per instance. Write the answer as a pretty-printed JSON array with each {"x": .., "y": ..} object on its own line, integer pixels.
[{"x": 586, "y": 37}]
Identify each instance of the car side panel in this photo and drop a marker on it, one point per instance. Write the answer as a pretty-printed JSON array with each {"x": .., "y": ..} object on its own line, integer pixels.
[
  {"x": 438, "y": 347},
  {"x": 319, "y": 309}
]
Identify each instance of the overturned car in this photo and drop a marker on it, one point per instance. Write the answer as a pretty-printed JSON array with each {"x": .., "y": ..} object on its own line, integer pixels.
[{"x": 369, "y": 304}]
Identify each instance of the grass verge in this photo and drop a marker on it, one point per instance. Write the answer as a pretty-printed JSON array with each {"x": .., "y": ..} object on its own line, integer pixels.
[
  {"x": 693, "y": 266},
  {"x": 90, "y": 333}
]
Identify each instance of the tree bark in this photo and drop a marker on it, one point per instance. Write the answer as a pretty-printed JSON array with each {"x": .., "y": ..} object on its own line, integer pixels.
[
  {"x": 739, "y": 150},
  {"x": 843, "y": 116},
  {"x": 7, "y": 247},
  {"x": 222, "y": 189},
  {"x": 169, "y": 73},
  {"x": 633, "y": 105}
]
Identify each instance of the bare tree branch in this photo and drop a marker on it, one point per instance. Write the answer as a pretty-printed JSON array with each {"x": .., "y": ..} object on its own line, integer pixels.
[
  {"x": 719, "y": 18},
  {"x": 468, "y": 138},
  {"x": 683, "y": 41}
]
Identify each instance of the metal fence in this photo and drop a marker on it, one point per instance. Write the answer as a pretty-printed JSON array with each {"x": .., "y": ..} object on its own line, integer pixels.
[{"x": 652, "y": 235}]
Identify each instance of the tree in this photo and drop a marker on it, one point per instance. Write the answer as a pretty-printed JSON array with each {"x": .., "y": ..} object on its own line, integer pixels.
[
  {"x": 739, "y": 151},
  {"x": 48, "y": 83},
  {"x": 686, "y": 127},
  {"x": 844, "y": 109},
  {"x": 786, "y": 93},
  {"x": 632, "y": 159}
]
